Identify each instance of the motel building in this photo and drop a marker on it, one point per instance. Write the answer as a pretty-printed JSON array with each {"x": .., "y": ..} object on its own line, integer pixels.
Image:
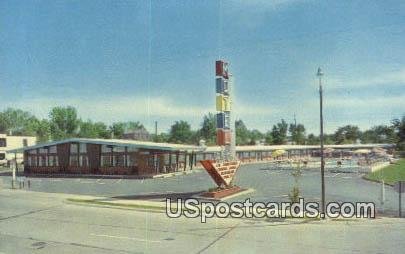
[
  {"x": 142, "y": 159},
  {"x": 78, "y": 156}
]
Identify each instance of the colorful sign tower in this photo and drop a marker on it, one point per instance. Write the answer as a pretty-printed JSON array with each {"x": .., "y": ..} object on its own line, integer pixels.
[
  {"x": 223, "y": 169},
  {"x": 223, "y": 107}
]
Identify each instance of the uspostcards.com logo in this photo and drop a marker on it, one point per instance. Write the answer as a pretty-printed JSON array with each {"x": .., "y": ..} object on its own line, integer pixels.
[{"x": 193, "y": 208}]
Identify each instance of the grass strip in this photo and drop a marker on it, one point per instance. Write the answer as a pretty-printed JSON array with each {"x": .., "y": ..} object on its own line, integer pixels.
[{"x": 390, "y": 174}]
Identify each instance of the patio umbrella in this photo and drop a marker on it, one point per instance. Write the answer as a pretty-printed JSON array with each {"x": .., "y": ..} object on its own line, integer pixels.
[
  {"x": 379, "y": 150},
  {"x": 277, "y": 153},
  {"x": 328, "y": 150},
  {"x": 362, "y": 151}
]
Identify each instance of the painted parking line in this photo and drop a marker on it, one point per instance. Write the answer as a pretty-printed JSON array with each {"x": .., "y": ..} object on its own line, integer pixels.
[
  {"x": 35, "y": 180},
  {"x": 127, "y": 238},
  {"x": 281, "y": 196},
  {"x": 119, "y": 180},
  {"x": 86, "y": 182},
  {"x": 333, "y": 175}
]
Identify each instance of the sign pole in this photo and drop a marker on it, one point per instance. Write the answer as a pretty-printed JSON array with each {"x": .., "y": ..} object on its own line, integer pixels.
[
  {"x": 320, "y": 74},
  {"x": 399, "y": 195}
]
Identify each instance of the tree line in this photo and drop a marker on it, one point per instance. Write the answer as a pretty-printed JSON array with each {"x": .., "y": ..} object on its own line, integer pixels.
[{"x": 63, "y": 122}]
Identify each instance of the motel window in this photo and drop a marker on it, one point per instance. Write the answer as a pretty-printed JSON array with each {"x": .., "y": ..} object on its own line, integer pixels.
[
  {"x": 25, "y": 142},
  {"x": 199, "y": 157},
  {"x": 82, "y": 148},
  {"x": 182, "y": 157},
  {"x": 173, "y": 158},
  {"x": 43, "y": 150},
  {"x": 167, "y": 159},
  {"x": 73, "y": 148},
  {"x": 83, "y": 161},
  {"x": 119, "y": 149},
  {"x": 132, "y": 149},
  {"x": 119, "y": 160},
  {"x": 3, "y": 142},
  {"x": 42, "y": 161},
  {"x": 151, "y": 161},
  {"x": 34, "y": 151},
  {"x": 32, "y": 161},
  {"x": 74, "y": 160},
  {"x": 106, "y": 161},
  {"x": 106, "y": 156},
  {"x": 53, "y": 160},
  {"x": 52, "y": 149},
  {"x": 106, "y": 149},
  {"x": 131, "y": 160},
  {"x": 2, "y": 156}
]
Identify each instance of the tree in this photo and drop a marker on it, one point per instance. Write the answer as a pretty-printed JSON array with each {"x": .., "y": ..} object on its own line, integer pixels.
[
  {"x": 399, "y": 127},
  {"x": 161, "y": 138},
  {"x": 63, "y": 122},
  {"x": 269, "y": 138},
  {"x": 379, "y": 134},
  {"x": 348, "y": 134},
  {"x": 133, "y": 126},
  {"x": 117, "y": 130},
  {"x": 180, "y": 132},
  {"x": 254, "y": 136},
  {"x": 297, "y": 132},
  {"x": 208, "y": 129},
  {"x": 88, "y": 129},
  {"x": 279, "y": 133},
  {"x": 19, "y": 122},
  {"x": 242, "y": 133},
  {"x": 313, "y": 140}
]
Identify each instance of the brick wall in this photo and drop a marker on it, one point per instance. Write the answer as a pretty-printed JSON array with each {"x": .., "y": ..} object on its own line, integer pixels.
[
  {"x": 93, "y": 153},
  {"x": 63, "y": 156}
]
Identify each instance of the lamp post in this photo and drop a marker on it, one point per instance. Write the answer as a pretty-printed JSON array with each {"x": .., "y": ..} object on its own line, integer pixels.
[{"x": 319, "y": 74}]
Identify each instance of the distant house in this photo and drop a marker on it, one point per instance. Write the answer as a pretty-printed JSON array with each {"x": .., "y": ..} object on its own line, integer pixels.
[
  {"x": 139, "y": 134},
  {"x": 13, "y": 142}
]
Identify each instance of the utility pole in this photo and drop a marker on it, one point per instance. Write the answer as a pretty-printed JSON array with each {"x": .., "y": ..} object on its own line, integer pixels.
[
  {"x": 319, "y": 75},
  {"x": 156, "y": 131}
]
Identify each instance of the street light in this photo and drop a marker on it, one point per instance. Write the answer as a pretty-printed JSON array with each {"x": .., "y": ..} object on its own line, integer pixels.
[{"x": 319, "y": 74}]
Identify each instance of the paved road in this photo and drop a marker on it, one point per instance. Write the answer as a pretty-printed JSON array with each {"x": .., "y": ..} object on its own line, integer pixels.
[
  {"x": 272, "y": 184},
  {"x": 34, "y": 222}
]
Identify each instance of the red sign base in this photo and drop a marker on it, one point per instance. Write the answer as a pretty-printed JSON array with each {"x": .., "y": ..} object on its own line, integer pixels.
[
  {"x": 221, "y": 193},
  {"x": 221, "y": 172}
]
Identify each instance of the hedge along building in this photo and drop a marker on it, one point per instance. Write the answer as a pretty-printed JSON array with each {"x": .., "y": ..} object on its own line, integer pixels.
[{"x": 107, "y": 157}]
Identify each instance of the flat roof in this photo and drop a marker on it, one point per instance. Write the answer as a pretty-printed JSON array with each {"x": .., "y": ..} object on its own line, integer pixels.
[
  {"x": 116, "y": 142},
  {"x": 297, "y": 147},
  {"x": 181, "y": 147}
]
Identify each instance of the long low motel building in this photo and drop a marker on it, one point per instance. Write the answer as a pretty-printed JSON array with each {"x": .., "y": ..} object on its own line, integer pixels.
[{"x": 139, "y": 158}]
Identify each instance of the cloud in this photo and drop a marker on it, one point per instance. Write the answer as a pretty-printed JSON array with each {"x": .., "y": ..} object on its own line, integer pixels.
[
  {"x": 367, "y": 103},
  {"x": 387, "y": 78},
  {"x": 251, "y": 13},
  {"x": 126, "y": 108}
]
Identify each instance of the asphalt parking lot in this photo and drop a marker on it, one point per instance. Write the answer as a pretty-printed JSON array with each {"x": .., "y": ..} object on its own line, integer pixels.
[{"x": 271, "y": 184}]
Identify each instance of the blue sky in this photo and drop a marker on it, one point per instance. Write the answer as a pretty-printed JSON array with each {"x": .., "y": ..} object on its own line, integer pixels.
[{"x": 154, "y": 60}]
